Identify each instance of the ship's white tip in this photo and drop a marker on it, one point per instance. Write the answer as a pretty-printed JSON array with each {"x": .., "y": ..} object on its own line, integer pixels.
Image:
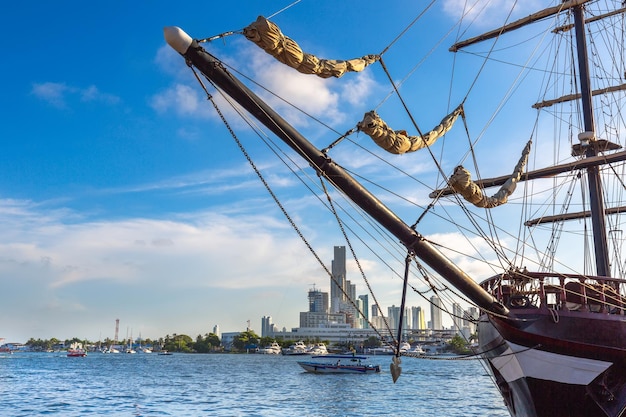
[{"x": 177, "y": 38}]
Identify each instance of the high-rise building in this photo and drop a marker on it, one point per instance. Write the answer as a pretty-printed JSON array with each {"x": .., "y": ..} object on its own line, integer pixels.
[
  {"x": 365, "y": 310},
  {"x": 338, "y": 280},
  {"x": 375, "y": 310},
  {"x": 419, "y": 321},
  {"x": 393, "y": 315},
  {"x": 435, "y": 313},
  {"x": 470, "y": 316},
  {"x": 318, "y": 301},
  {"x": 457, "y": 317},
  {"x": 267, "y": 327}
]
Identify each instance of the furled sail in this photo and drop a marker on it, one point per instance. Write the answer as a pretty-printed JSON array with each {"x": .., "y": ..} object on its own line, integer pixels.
[
  {"x": 397, "y": 141},
  {"x": 269, "y": 37},
  {"x": 461, "y": 182}
]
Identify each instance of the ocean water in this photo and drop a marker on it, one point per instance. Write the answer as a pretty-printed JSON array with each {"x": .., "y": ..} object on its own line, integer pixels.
[{"x": 52, "y": 384}]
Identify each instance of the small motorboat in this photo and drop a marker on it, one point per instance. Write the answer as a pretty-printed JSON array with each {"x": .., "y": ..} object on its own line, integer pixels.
[
  {"x": 339, "y": 364},
  {"x": 76, "y": 353}
]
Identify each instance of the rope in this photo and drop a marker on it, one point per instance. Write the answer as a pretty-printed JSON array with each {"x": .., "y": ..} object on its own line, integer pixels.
[
  {"x": 473, "y": 356},
  {"x": 407, "y": 264},
  {"x": 269, "y": 189},
  {"x": 240, "y": 31},
  {"x": 343, "y": 231},
  {"x": 406, "y": 29}
]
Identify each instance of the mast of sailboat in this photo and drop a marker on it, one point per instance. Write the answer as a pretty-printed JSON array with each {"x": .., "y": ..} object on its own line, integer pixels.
[
  {"x": 213, "y": 69},
  {"x": 589, "y": 146},
  {"x": 593, "y": 172}
]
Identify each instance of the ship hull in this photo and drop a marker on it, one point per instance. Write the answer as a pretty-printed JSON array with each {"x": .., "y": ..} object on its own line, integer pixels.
[{"x": 547, "y": 364}]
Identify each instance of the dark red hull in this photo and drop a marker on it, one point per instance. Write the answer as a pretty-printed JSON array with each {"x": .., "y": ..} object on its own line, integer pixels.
[{"x": 557, "y": 363}]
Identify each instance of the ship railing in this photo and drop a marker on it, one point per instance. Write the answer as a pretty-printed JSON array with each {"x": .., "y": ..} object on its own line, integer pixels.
[{"x": 523, "y": 289}]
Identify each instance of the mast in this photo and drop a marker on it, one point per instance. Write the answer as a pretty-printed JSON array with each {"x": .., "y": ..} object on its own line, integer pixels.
[
  {"x": 589, "y": 145},
  {"x": 212, "y": 68},
  {"x": 593, "y": 172}
]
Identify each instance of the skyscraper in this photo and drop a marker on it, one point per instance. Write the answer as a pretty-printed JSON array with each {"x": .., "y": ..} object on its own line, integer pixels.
[
  {"x": 435, "y": 313},
  {"x": 365, "y": 310},
  {"x": 418, "y": 322},
  {"x": 318, "y": 301},
  {"x": 457, "y": 316},
  {"x": 393, "y": 315},
  {"x": 338, "y": 281},
  {"x": 267, "y": 327}
]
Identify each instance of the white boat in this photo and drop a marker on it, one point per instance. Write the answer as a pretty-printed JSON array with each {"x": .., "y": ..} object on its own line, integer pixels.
[
  {"x": 272, "y": 349},
  {"x": 381, "y": 350},
  {"x": 339, "y": 364},
  {"x": 318, "y": 349},
  {"x": 416, "y": 350},
  {"x": 298, "y": 348},
  {"x": 405, "y": 347}
]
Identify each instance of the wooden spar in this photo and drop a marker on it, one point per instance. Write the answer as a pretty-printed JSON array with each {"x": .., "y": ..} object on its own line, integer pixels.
[
  {"x": 542, "y": 173},
  {"x": 518, "y": 23},
  {"x": 571, "y": 97},
  {"x": 212, "y": 68},
  {"x": 572, "y": 216},
  {"x": 565, "y": 28}
]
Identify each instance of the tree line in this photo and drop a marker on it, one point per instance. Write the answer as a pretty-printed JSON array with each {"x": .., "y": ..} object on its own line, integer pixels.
[{"x": 208, "y": 342}]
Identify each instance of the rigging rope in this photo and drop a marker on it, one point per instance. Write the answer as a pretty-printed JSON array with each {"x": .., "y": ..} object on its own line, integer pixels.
[
  {"x": 271, "y": 192},
  {"x": 343, "y": 231}
]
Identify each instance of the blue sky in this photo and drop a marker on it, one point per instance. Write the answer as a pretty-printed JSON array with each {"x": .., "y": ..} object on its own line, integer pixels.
[{"x": 123, "y": 196}]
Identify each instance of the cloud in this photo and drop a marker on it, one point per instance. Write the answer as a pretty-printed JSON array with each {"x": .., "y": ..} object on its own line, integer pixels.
[
  {"x": 53, "y": 93},
  {"x": 60, "y": 95},
  {"x": 51, "y": 266},
  {"x": 292, "y": 93}
]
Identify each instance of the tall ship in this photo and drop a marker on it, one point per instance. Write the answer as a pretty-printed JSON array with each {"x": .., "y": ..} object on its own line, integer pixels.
[{"x": 537, "y": 250}]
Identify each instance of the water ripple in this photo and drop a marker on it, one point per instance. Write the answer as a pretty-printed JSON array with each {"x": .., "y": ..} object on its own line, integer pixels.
[{"x": 236, "y": 385}]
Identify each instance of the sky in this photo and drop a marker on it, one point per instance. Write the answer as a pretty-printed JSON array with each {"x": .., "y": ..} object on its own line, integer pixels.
[{"x": 122, "y": 194}]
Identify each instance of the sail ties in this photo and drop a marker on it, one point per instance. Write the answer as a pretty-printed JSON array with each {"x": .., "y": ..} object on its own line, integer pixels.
[
  {"x": 461, "y": 182},
  {"x": 398, "y": 141},
  {"x": 269, "y": 38}
]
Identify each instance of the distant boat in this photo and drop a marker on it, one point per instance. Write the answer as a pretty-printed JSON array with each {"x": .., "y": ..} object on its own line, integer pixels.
[
  {"x": 318, "y": 349},
  {"x": 298, "y": 348},
  {"x": 339, "y": 364},
  {"x": 273, "y": 349},
  {"x": 76, "y": 353},
  {"x": 381, "y": 350},
  {"x": 165, "y": 352}
]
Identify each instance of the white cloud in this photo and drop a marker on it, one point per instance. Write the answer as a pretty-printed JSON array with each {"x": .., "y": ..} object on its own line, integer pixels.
[
  {"x": 53, "y": 93},
  {"x": 291, "y": 90},
  {"x": 60, "y": 95},
  {"x": 58, "y": 266}
]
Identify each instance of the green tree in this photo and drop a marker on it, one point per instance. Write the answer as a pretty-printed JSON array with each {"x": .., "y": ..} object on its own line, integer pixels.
[
  {"x": 206, "y": 344},
  {"x": 266, "y": 341},
  {"x": 372, "y": 342},
  {"x": 458, "y": 345},
  {"x": 178, "y": 343},
  {"x": 245, "y": 339}
]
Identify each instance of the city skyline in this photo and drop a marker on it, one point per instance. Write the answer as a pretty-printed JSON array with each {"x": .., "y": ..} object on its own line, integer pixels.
[{"x": 321, "y": 313}]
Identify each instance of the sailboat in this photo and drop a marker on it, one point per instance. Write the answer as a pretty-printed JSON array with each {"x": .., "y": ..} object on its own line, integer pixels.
[{"x": 551, "y": 328}]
